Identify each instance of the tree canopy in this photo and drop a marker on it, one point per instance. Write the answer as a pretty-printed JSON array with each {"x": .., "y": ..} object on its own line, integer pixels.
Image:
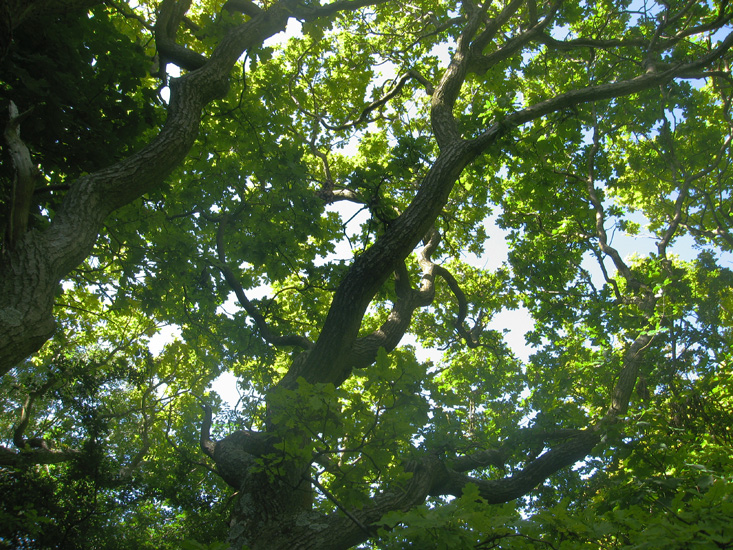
[{"x": 305, "y": 213}]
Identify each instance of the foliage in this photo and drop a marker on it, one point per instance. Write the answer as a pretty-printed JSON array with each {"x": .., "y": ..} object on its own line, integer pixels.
[{"x": 347, "y": 186}]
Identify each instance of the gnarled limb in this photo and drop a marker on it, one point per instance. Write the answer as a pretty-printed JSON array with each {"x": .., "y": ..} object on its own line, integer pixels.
[
  {"x": 247, "y": 7},
  {"x": 30, "y": 273},
  {"x": 235, "y": 454},
  {"x": 24, "y": 181},
  {"x": 19, "y": 439},
  {"x": 532, "y": 474},
  {"x": 365, "y": 349},
  {"x": 170, "y": 16},
  {"x": 34, "y": 450},
  {"x": 310, "y": 13},
  {"x": 480, "y": 63},
  {"x": 36, "y": 456},
  {"x": 600, "y": 92}
]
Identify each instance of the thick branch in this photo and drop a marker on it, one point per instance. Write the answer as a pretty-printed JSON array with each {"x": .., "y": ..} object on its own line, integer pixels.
[
  {"x": 170, "y": 16},
  {"x": 247, "y": 7},
  {"x": 19, "y": 439},
  {"x": 493, "y": 27},
  {"x": 24, "y": 459},
  {"x": 446, "y": 93},
  {"x": 328, "y": 361},
  {"x": 24, "y": 180},
  {"x": 628, "y": 376},
  {"x": 601, "y": 92},
  {"x": 235, "y": 453},
  {"x": 432, "y": 476},
  {"x": 529, "y": 477},
  {"x": 29, "y": 274},
  {"x": 365, "y": 349},
  {"x": 480, "y": 459},
  {"x": 590, "y": 43},
  {"x": 310, "y": 13},
  {"x": 481, "y": 63}
]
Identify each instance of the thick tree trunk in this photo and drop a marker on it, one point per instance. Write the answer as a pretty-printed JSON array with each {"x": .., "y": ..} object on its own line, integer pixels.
[
  {"x": 27, "y": 289},
  {"x": 271, "y": 511},
  {"x": 32, "y": 269}
]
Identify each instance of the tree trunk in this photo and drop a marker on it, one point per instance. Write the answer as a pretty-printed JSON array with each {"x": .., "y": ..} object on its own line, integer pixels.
[{"x": 27, "y": 289}]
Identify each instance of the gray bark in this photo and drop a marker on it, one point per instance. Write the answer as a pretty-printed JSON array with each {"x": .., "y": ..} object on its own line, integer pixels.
[{"x": 273, "y": 507}]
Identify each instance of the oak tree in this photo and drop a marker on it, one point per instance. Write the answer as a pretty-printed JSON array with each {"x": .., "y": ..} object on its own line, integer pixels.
[{"x": 309, "y": 211}]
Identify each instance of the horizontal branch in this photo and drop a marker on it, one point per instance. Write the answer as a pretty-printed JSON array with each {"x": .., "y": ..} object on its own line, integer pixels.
[
  {"x": 601, "y": 92},
  {"x": 530, "y": 476},
  {"x": 309, "y": 13},
  {"x": 33, "y": 457}
]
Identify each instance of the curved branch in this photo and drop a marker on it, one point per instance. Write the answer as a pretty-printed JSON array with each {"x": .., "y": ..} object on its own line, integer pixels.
[
  {"x": 600, "y": 216},
  {"x": 364, "y": 115},
  {"x": 445, "y": 94},
  {"x": 431, "y": 476},
  {"x": 170, "y": 16},
  {"x": 129, "y": 12},
  {"x": 372, "y": 106},
  {"x": 480, "y": 459},
  {"x": 19, "y": 439},
  {"x": 600, "y": 92},
  {"x": 252, "y": 311},
  {"x": 627, "y": 377},
  {"x": 309, "y": 13},
  {"x": 387, "y": 336},
  {"x": 481, "y": 63},
  {"x": 530, "y": 476},
  {"x": 207, "y": 445},
  {"x": 469, "y": 336},
  {"x": 676, "y": 220},
  {"x": 25, "y": 178},
  {"x": 30, "y": 272},
  {"x": 247, "y": 7},
  {"x": 494, "y": 26},
  {"x": 235, "y": 453}
]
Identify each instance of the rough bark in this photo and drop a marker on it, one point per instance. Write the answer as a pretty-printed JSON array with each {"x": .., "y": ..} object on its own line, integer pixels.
[
  {"x": 337, "y": 351},
  {"x": 273, "y": 509},
  {"x": 31, "y": 271}
]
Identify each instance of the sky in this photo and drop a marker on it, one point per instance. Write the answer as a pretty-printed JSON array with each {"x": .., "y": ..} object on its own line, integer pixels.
[{"x": 515, "y": 322}]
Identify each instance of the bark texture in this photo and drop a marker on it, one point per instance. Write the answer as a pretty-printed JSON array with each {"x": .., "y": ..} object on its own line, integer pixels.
[{"x": 273, "y": 503}]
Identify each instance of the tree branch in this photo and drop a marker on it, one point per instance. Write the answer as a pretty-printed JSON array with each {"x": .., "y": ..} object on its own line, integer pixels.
[
  {"x": 19, "y": 439},
  {"x": 252, "y": 311},
  {"x": 445, "y": 94},
  {"x": 34, "y": 457},
  {"x": 309, "y": 13},
  {"x": 45, "y": 257},
  {"x": 24, "y": 181},
  {"x": 481, "y": 63},
  {"x": 600, "y": 92},
  {"x": 575, "y": 448},
  {"x": 388, "y": 336},
  {"x": 170, "y": 16}
]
